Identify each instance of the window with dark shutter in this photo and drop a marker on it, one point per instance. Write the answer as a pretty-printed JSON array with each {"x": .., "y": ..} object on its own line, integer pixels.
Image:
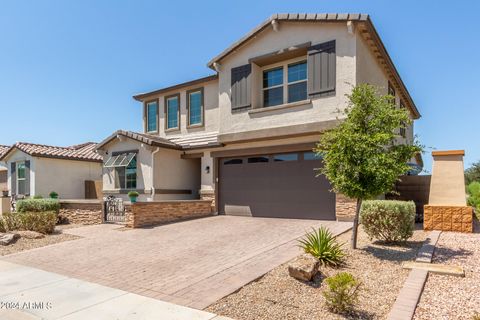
[
  {"x": 321, "y": 68},
  {"x": 13, "y": 178},
  {"x": 241, "y": 86}
]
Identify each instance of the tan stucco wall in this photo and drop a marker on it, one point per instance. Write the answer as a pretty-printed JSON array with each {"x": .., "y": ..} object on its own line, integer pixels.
[
  {"x": 210, "y": 91},
  {"x": 290, "y": 34},
  {"x": 174, "y": 173},
  {"x": 369, "y": 70},
  {"x": 66, "y": 177},
  {"x": 448, "y": 181}
]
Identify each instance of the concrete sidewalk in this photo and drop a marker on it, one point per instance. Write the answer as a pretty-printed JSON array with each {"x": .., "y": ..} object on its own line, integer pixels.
[{"x": 27, "y": 293}]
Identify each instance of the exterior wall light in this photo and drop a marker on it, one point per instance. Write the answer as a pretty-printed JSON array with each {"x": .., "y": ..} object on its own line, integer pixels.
[{"x": 207, "y": 169}]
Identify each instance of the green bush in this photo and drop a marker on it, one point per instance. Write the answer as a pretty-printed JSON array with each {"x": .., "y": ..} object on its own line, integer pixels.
[
  {"x": 37, "y": 196},
  {"x": 2, "y": 226},
  {"x": 38, "y": 205},
  {"x": 322, "y": 245},
  {"x": 53, "y": 195},
  {"x": 473, "y": 190},
  {"x": 342, "y": 292},
  {"x": 388, "y": 220},
  {"x": 43, "y": 222}
]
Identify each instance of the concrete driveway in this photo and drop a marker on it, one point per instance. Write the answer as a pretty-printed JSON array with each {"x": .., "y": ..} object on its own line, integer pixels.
[{"x": 192, "y": 263}]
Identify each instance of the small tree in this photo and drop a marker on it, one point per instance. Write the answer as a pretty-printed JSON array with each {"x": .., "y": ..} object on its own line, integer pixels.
[
  {"x": 363, "y": 157},
  {"x": 472, "y": 173}
]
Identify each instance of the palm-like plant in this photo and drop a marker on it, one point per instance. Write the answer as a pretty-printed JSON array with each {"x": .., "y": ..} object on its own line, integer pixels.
[{"x": 322, "y": 245}]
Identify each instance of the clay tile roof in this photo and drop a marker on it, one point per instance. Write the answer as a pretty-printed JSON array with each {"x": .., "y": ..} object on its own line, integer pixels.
[
  {"x": 3, "y": 150},
  {"x": 148, "y": 139},
  {"x": 85, "y": 152}
]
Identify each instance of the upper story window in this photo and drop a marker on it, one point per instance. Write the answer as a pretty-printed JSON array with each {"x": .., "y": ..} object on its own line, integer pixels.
[
  {"x": 195, "y": 107},
  {"x": 276, "y": 91},
  {"x": 273, "y": 87},
  {"x": 172, "y": 109},
  {"x": 152, "y": 116},
  {"x": 297, "y": 81}
]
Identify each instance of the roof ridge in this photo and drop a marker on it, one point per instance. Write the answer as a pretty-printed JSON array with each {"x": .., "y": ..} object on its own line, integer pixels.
[{"x": 40, "y": 145}]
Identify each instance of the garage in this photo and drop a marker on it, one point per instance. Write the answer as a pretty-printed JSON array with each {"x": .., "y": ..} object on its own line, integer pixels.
[{"x": 281, "y": 185}]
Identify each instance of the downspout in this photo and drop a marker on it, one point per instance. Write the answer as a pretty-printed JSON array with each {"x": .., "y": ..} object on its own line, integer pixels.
[{"x": 153, "y": 172}]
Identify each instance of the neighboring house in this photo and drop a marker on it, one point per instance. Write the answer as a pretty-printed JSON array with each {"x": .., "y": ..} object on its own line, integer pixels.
[
  {"x": 3, "y": 170},
  {"x": 35, "y": 169},
  {"x": 244, "y": 135}
]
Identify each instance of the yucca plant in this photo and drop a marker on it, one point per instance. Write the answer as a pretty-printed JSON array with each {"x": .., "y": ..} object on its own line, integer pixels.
[{"x": 322, "y": 245}]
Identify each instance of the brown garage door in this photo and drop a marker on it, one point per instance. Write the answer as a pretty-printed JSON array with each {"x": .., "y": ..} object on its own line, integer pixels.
[{"x": 278, "y": 185}]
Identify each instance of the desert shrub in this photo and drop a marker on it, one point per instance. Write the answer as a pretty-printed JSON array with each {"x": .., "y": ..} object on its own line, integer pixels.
[
  {"x": 38, "y": 205},
  {"x": 388, "y": 220},
  {"x": 37, "y": 196},
  {"x": 342, "y": 292},
  {"x": 322, "y": 245},
  {"x": 2, "y": 226},
  {"x": 53, "y": 195},
  {"x": 473, "y": 190},
  {"x": 43, "y": 222},
  {"x": 10, "y": 221}
]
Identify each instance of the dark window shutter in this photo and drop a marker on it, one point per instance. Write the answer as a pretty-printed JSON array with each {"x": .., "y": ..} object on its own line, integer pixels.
[
  {"x": 13, "y": 178},
  {"x": 321, "y": 68},
  {"x": 241, "y": 86},
  {"x": 27, "y": 177}
]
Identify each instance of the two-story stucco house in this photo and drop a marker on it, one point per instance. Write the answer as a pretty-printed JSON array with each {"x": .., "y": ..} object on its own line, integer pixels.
[{"x": 244, "y": 136}]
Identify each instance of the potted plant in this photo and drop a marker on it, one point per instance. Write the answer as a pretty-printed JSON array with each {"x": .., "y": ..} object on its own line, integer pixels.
[
  {"x": 5, "y": 192},
  {"x": 133, "y": 195},
  {"x": 53, "y": 195}
]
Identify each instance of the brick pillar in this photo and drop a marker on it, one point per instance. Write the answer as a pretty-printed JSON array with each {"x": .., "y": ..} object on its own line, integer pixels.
[{"x": 345, "y": 207}]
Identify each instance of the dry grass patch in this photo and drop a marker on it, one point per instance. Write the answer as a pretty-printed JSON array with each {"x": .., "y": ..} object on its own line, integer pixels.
[{"x": 278, "y": 296}]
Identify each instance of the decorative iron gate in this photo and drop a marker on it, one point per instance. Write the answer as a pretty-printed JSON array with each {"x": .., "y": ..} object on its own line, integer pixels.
[{"x": 114, "y": 209}]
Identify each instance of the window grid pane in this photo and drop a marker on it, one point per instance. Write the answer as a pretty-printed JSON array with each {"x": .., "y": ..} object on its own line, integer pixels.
[
  {"x": 273, "y": 97},
  {"x": 172, "y": 111},
  {"x": 297, "y": 72},
  {"x": 152, "y": 116},
  {"x": 195, "y": 104},
  {"x": 273, "y": 77},
  {"x": 297, "y": 91}
]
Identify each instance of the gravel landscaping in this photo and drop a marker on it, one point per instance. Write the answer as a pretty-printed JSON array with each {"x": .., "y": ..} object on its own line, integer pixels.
[
  {"x": 448, "y": 297},
  {"x": 278, "y": 296},
  {"x": 26, "y": 244}
]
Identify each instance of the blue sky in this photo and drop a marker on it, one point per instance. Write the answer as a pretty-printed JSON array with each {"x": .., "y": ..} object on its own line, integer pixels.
[{"x": 68, "y": 69}]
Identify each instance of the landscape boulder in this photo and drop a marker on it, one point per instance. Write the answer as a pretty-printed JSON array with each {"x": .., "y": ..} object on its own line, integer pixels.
[
  {"x": 30, "y": 234},
  {"x": 304, "y": 267},
  {"x": 8, "y": 238}
]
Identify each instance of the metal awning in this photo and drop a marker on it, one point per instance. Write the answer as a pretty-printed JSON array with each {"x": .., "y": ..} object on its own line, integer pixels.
[{"x": 120, "y": 160}]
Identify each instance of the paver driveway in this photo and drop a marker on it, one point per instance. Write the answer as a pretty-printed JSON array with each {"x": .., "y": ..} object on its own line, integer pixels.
[{"x": 191, "y": 263}]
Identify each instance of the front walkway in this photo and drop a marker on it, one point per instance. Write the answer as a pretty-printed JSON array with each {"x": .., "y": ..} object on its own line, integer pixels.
[
  {"x": 32, "y": 294},
  {"x": 192, "y": 263}
]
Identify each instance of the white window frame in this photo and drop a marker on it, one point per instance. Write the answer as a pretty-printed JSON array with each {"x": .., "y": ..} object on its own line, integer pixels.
[
  {"x": 18, "y": 178},
  {"x": 284, "y": 64}
]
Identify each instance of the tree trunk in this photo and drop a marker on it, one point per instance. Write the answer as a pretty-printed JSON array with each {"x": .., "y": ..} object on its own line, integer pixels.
[{"x": 355, "y": 224}]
